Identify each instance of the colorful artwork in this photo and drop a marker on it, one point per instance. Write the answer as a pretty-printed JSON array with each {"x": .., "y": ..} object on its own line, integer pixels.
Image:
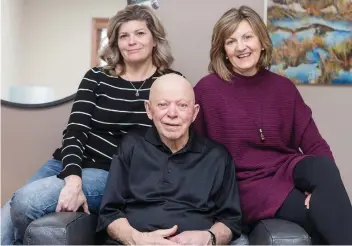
[
  {"x": 152, "y": 3},
  {"x": 312, "y": 40}
]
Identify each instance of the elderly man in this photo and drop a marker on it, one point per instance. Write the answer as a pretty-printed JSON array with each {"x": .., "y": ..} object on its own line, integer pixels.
[{"x": 171, "y": 186}]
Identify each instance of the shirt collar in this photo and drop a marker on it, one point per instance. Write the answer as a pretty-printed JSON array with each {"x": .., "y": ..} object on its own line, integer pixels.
[{"x": 193, "y": 145}]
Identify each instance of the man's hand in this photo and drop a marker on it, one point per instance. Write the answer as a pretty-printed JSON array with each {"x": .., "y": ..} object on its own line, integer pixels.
[
  {"x": 192, "y": 238},
  {"x": 157, "y": 237},
  {"x": 71, "y": 196}
]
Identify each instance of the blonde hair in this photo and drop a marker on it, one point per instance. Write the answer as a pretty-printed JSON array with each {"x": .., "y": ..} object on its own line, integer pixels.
[
  {"x": 225, "y": 27},
  {"x": 161, "y": 56}
]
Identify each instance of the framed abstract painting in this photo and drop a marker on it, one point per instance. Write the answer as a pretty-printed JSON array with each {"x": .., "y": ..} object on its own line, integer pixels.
[{"x": 312, "y": 40}]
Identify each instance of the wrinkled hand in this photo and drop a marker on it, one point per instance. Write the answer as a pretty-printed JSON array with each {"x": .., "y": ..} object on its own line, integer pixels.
[
  {"x": 72, "y": 197},
  {"x": 192, "y": 238},
  {"x": 307, "y": 200},
  {"x": 157, "y": 237}
]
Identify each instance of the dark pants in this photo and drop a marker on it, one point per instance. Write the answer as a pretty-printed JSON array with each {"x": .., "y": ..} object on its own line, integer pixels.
[{"x": 329, "y": 217}]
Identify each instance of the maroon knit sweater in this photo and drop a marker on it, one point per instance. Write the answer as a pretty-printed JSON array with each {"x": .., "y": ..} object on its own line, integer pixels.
[{"x": 232, "y": 114}]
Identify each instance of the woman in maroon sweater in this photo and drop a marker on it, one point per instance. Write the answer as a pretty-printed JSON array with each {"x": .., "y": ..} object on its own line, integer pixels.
[{"x": 285, "y": 169}]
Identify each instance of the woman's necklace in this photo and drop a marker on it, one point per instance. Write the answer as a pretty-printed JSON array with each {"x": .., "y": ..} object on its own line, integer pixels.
[{"x": 137, "y": 90}]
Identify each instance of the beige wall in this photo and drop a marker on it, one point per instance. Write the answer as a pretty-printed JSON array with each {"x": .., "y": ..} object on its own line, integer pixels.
[
  {"x": 28, "y": 139},
  {"x": 11, "y": 20},
  {"x": 189, "y": 25},
  {"x": 55, "y": 38}
]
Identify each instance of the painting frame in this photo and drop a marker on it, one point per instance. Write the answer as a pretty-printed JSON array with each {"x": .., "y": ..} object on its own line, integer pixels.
[{"x": 310, "y": 54}]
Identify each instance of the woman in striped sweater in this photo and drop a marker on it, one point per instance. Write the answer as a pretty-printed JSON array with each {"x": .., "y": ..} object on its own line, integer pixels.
[
  {"x": 284, "y": 167},
  {"x": 108, "y": 104}
]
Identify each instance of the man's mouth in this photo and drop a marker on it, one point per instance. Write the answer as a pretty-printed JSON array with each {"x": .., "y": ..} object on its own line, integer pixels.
[{"x": 171, "y": 124}]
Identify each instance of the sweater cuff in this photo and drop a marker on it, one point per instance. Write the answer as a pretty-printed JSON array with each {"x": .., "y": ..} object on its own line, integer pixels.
[{"x": 70, "y": 170}]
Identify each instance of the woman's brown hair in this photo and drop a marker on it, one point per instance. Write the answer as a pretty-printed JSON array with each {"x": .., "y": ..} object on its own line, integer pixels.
[
  {"x": 225, "y": 27},
  {"x": 162, "y": 57}
]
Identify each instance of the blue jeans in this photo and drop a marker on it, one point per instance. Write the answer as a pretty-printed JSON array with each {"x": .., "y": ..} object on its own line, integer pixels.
[{"x": 39, "y": 196}]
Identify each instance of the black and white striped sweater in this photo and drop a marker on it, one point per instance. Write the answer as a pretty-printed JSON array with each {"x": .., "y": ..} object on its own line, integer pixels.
[{"x": 105, "y": 108}]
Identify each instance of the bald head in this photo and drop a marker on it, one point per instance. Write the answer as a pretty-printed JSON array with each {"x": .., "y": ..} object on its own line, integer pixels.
[
  {"x": 171, "y": 85},
  {"x": 172, "y": 108}
]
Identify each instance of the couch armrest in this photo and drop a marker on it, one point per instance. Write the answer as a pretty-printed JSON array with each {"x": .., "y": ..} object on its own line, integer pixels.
[
  {"x": 62, "y": 229},
  {"x": 278, "y": 232}
]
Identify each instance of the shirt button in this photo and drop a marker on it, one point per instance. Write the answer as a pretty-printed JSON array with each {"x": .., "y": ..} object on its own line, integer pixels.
[{"x": 169, "y": 170}]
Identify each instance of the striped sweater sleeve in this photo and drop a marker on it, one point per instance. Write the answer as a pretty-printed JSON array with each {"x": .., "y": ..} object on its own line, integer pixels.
[{"x": 78, "y": 127}]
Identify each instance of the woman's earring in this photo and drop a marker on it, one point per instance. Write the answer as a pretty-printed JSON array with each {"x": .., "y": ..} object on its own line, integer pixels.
[{"x": 226, "y": 57}]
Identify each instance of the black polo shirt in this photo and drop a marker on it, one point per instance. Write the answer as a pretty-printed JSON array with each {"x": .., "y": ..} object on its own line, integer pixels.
[{"x": 154, "y": 188}]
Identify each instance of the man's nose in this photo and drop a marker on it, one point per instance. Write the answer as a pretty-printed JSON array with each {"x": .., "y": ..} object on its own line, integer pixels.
[{"x": 172, "y": 112}]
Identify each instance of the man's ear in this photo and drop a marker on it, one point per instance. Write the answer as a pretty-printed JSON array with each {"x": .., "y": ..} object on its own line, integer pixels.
[
  {"x": 196, "y": 111},
  {"x": 148, "y": 109}
]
